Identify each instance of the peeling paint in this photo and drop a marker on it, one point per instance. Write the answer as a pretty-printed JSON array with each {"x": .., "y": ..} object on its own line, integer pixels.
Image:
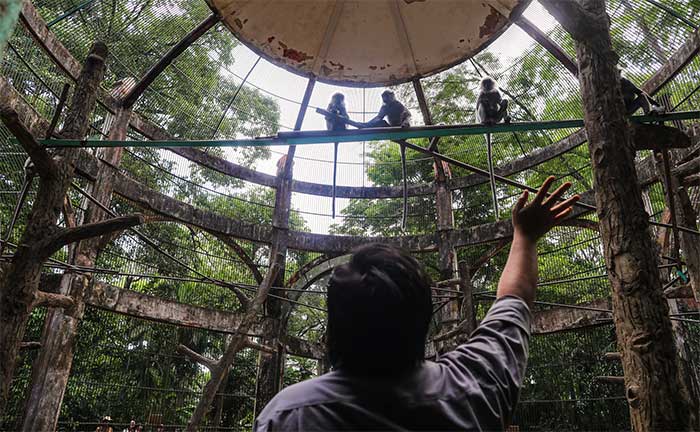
[
  {"x": 238, "y": 23},
  {"x": 491, "y": 23},
  {"x": 270, "y": 39},
  {"x": 338, "y": 65},
  {"x": 461, "y": 41},
  {"x": 373, "y": 67},
  {"x": 325, "y": 70},
  {"x": 298, "y": 56}
]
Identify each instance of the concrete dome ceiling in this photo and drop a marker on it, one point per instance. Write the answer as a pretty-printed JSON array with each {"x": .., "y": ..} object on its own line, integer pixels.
[{"x": 367, "y": 42}]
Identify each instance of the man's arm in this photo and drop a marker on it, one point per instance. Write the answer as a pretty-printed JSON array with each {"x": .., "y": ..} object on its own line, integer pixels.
[
  {"x": 495, "y": 357},
  {"x": 530, "y": 222}
]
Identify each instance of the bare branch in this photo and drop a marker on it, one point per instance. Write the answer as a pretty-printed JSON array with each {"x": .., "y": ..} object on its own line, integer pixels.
[
  {"x": 40, "y": 157},
  {"x": 69, "y": 213},
  {"x": 241, "y": 253},
  {"x": 30, "y": 345},
  {"x": 581, "y": 223},
  {"x": 70, "y": 235},
  {"x": 52, "y": 300},
  {"x": 197, "y": 357}
]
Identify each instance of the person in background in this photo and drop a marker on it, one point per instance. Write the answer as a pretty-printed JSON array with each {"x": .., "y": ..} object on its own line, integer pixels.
[
  {"x": 379, "y": 311},
  {"x": 132, "y": 426},
  {"x": 104, "y": 426}
]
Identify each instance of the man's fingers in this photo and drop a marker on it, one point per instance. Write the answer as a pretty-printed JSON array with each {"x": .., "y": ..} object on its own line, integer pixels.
[
  {"x": 567, "y": 204},
  {"x": 543, "y": 190},
  {"x": 562, "y": 215},
  {"x": 554, "y": 197},
  {"x": 521, "y": 202}
]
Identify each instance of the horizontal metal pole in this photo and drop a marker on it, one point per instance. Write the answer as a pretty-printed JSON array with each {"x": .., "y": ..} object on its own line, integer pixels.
[{"x": 370, "y": 134}]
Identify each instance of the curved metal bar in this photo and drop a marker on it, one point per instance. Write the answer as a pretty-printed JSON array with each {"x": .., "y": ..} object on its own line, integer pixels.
[{"x": 233, "y": 99}]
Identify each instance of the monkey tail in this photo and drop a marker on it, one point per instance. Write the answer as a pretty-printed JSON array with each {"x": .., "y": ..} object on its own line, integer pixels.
[
  {"x": 492, "y": 175},
  {"x": 405, "y": 186},
  {"x": 335, "y": 173}
]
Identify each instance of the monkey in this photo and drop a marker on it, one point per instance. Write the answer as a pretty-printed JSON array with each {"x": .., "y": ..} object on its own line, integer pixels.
[
  {"x": 636, "y": 98},
  {"x": 398, "y": 115},
  {"x": 281, "y": 162},
  {"x": 393, "y": 110},
  {"x": 491, "y": 107},
  {"x": 337, "y": 107}
]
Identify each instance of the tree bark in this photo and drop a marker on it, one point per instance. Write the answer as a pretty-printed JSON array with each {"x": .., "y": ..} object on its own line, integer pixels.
[
  {"x": 690, "y": 243},
  {"x": 52, "y": 367},
  {"x": 271, "y": 367},
  {"x": 657, "y": 396},
  {"x": 19, "y": 283}
]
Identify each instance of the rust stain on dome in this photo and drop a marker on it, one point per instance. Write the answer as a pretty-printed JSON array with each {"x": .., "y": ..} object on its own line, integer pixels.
[
  {"x": 381, "y": 42},
  {"x": 492, "y": 22}
]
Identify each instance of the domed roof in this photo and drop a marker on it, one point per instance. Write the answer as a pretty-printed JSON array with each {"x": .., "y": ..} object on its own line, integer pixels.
[{"x": 367, "y": 42}]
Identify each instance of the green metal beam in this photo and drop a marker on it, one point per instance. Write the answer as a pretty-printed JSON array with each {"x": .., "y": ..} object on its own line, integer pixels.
[
  {"x": 9, "y": 13},
  {"x": 393, "y": 134}
]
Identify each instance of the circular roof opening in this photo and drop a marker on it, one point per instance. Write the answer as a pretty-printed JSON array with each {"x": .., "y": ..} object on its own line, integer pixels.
[{"x": 367, "y": 42}]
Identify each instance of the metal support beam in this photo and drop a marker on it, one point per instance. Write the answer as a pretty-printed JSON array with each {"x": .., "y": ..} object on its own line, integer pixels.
[
  {"x": 369, "y": 134},
  {"x": 541, "y": 37},
  {"x": 150, "y": 76}
]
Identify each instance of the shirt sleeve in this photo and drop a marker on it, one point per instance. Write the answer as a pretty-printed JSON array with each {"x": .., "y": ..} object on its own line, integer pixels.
[{"x": 491, "y": 365}]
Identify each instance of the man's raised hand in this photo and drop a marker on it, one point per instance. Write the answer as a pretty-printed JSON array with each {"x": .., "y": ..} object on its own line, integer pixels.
[{"x": 536, "y": 218}]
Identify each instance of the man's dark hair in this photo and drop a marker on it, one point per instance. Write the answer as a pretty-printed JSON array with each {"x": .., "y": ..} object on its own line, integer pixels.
[{"x": 379, "y": 309}]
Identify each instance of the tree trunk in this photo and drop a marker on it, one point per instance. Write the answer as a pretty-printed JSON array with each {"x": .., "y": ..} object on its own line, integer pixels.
[
  {"x": 657, "y": 397},
  {"x": 20, "y": 281},
  {"x": 447, "y": 260},
  {"x": 52, "y": 367},
  {"x": 690, "y": 243}
]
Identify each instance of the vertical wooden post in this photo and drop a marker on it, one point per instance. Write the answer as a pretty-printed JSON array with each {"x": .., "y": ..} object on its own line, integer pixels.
[
  {"x": 447, "y": 256},
  {"x": 658, "y": 398},
  {"x": 690, "y": 243},
  {"x": 271, "y": 367},
  {"x": 51, "y": 369}
]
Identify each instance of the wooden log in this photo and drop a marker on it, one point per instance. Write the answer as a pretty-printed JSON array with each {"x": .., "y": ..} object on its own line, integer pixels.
[
  {"x": 557, "y": 319},
  {"x": 657, "y": 396},
  {"x": 612, "y": 356},
  {"x": 30, "y": 346},
  {"x": 617, "y": 380},
  {"x": 680, "y": 292},
  {"x": 658, "y": 137}
]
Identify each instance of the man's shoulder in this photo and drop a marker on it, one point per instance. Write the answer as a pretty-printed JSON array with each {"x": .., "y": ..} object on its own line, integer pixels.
[{"x": 322, "y": 389}]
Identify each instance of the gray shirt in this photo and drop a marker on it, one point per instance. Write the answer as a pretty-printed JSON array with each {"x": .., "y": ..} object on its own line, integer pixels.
[{"x": 474, "y": 387}]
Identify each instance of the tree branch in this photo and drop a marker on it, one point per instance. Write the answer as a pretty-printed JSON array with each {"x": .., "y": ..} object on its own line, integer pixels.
[
  {"x": 70, "y": 235},
  {"x": 30, "y": 345},
  {"x": 52, "y": 300},
  {"x": 241, "y": 253},
  {"x": 197, "y": 357},
  {"x": 40, "y": 157}
]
